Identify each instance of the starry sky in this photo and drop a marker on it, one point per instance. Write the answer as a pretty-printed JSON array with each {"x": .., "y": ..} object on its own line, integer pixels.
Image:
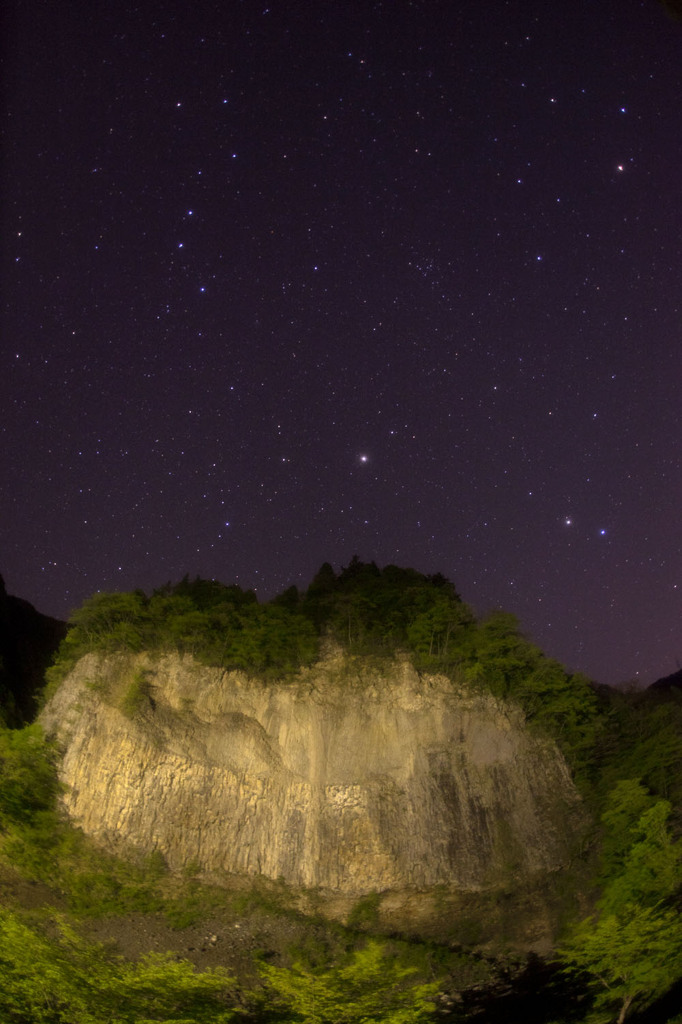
[{"x": 288, "y": 281}]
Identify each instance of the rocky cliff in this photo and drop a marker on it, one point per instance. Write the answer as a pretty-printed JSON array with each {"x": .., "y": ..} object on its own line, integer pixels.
[{"x": 354, "y": 777}]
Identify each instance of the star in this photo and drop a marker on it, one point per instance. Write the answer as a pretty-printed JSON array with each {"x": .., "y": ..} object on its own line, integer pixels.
[{"x": 349, "y": 291}]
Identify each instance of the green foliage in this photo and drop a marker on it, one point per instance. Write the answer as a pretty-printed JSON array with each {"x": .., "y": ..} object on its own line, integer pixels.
[
  {"x": 500, "y": 655},
  {"x": 378, "y": 611},
  {"x": 136, "y": 695},
  {"x": 437, "y": 633},
  {"x": 370, "y": 986},
  {"x": 64, "y": 980},
  {"x": 206, "y": 594},
  {"x": 499, "y": 658},
  {"x": 625, "y": 804},
  {"x": 365, "y": 913},
  {"x": 645, "y": 862},
  {"x": 367, "y": 609},
  {"x": 633, "y": 948},
  {"x": 29, "y": 822},
  {"x": 643, "y": 739},
  {"x": 632, "y": 958},
  {"x": 110, "y": 622},
  {"x": 28, "y": 777},
  {"x": 277, "y": 641},
  {"x": 219, "y": 625}
]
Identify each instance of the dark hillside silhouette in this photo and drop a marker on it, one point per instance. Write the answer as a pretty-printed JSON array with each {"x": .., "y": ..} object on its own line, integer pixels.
[{"x": 28, "y": 642}]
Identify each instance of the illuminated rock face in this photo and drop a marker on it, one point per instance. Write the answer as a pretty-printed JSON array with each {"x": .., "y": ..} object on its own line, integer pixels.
[{"x": 354, "y": 777}]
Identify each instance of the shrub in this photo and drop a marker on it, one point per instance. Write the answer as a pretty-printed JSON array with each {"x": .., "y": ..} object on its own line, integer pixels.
[{"x": 136, "y": 695}]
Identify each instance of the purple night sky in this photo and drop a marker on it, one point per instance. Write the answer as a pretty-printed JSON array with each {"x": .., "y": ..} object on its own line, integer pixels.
[{"x": 287, "y": 282}]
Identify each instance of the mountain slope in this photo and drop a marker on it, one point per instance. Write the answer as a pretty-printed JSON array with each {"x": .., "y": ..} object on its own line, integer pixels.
[{"x": 28, "y": 642}]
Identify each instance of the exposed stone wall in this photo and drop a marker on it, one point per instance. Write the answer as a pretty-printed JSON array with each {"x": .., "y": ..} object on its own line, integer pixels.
[{"x": 354, "y": 777}]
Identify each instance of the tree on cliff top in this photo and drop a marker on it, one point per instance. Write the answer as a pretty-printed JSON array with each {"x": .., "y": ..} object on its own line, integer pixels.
[{"x": 378, "y": 611}]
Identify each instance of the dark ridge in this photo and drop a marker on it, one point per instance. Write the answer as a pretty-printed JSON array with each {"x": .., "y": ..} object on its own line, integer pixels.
[
  {"x": 28, "y": 643},
  {"x": 671, "y": 682}
]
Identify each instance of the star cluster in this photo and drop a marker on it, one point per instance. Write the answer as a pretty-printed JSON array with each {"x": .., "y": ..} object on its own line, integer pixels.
[{"x": 285, "y": 283}]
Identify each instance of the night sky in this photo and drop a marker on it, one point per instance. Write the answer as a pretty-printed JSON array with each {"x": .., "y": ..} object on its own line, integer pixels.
[{"x": 287, "y": 281}]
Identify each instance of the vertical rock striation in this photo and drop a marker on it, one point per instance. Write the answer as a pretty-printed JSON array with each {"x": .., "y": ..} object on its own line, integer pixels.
[{"x": 355, "y": 777}]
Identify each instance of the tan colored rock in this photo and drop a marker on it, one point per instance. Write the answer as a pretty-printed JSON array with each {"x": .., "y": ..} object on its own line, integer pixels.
[{"x": 356, "y": 776}]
